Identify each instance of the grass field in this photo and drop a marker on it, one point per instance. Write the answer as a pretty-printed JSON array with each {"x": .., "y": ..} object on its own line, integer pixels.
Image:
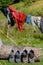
[{"x": 27, "y": 36}]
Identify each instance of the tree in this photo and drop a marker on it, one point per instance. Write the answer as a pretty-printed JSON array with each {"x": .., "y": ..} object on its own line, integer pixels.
[{"x": 5, "y": 3}]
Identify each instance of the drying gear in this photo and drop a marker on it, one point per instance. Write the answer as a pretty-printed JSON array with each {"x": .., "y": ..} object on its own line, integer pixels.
[
  {"x": 10, "y": 18},
  {"x": 28, "y": 19},
  {"x": 31, "y": 54},
  {"x": 18, "y": 16},
  {"x": 41, "y": 25},
  {"x": 4, "y": 10},
  {"x": 11, "y": 56},
  {"x": 11, "y": 22},
  {"x": 17, "y": 57},
  {"x": 24, "y": 56}
]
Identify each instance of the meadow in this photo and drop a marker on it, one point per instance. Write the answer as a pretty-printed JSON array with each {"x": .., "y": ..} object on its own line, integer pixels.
[{"x": 27, "y": 36}]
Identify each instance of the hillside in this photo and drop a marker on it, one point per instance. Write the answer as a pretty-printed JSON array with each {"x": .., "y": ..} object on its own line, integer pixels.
[{"x": 25, "y": 37}]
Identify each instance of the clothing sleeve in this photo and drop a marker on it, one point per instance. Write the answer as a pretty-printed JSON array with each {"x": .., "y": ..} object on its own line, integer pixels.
[{"x": 33, "y": 23}]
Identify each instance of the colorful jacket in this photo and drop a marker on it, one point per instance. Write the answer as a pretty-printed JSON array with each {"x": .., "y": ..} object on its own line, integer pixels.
[{"x": 18, "y": 16}]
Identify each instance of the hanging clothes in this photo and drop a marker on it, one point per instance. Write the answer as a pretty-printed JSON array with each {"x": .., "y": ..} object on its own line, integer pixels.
[
  {"x": 10, "y": 18},
  {"x": 41, "y": 25},
  {"x": 18, "y": 16},
  {"x": 35, "y": 20},
  {"x": 4, "y": 10},
  {"x": 28, "y": 19}
]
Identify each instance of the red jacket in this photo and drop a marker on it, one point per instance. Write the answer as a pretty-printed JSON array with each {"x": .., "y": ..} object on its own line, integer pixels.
[{"x": 18, "y": 16}]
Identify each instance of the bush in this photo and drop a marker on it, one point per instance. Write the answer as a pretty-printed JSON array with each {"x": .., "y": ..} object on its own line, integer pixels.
[
  {"x": 16, "y": 1},
  {"x": 5, "y": 3},
  {"x": 27, "y": 2}
]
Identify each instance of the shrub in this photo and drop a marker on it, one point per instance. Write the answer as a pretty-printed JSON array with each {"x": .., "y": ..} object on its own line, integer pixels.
[
  {"x": 5, "y": 3},
  {"x": 27, "y": 2}
]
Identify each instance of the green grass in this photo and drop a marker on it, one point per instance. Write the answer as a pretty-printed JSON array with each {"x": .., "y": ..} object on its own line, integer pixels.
[
  {"x": 34, "y": 9},
  {"x": 27, "y": 36}
]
